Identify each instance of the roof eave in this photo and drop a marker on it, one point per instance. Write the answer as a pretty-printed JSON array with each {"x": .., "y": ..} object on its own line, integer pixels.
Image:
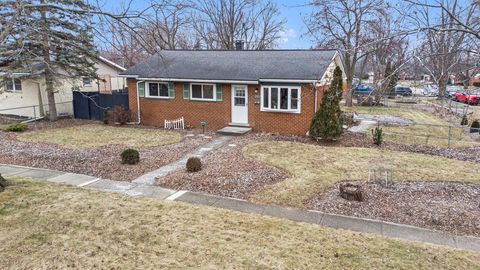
[{"x": 259, "y": 81}]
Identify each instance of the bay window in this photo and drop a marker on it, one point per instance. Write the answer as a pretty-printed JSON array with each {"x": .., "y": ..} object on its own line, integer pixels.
[
  {"x": 200, "y": 91},
  {"x": 281, "y": 98}
]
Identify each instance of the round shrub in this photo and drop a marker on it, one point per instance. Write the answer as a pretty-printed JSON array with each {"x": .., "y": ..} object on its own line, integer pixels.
[
  {"x": 17, "y": 127},
  {"x": 130, "y": 156},
  {"x": 194, "y": 164}
]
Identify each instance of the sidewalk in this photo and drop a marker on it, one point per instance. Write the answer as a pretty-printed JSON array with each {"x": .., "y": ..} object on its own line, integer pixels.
[{"x": 387, "y": 229}]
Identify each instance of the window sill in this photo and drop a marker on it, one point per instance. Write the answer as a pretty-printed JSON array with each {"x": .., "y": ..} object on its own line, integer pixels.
[
  {"x": 280, "y": 111},
  {"x": 205, "y": 100},
  {"x": 14, "y": 91},
  {"x": 150, "y": 97}
]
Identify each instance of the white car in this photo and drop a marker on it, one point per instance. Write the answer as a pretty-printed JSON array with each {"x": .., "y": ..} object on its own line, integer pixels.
[{"x": 430, "y": 90}]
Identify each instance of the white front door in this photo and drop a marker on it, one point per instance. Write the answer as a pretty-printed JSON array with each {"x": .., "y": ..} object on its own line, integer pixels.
[{"x": 239, "y": 104}]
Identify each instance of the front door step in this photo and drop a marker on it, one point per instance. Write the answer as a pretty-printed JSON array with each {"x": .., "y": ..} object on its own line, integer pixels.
[
  {"x": 238, "y": 125},
  {"x": 234, "y": 131}
]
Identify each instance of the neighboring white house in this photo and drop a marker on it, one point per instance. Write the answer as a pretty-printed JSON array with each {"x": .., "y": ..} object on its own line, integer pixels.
[{"x": 24, "y": 95}]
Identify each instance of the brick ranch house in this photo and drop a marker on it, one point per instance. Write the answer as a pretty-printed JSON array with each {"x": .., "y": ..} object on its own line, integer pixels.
[{"x": 274, "y": 91}]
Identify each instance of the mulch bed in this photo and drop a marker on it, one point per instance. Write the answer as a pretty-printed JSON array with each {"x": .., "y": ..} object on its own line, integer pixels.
[
  {"x": 101, "y": 162},
  {"x": 450, "y": 207},
  {"x": 226, "y": 172}
]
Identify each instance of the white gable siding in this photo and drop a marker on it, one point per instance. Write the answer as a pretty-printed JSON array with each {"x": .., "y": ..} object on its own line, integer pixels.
[{"x": 29, "y": 96}]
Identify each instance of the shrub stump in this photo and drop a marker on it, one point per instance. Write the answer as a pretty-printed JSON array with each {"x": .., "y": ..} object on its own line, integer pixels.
[
  {"x": 3, "y": 183},
  {"x": 194, "y": 164},
  {"x": 351, "y": 192}
]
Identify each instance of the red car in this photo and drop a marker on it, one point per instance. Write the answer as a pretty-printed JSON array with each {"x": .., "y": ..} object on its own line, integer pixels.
[
  {"x": 473, "y": 99},
  {"x": 460, "y": 96}
]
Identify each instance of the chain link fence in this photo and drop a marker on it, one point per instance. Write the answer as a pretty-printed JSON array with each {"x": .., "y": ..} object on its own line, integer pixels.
[
  {"x": 432, "y": 135},
  {"x": 429, "y": 132},
  {"x": 33, "y": 113}
]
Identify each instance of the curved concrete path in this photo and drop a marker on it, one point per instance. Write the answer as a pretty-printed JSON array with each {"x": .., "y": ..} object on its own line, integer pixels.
[
  {"x": 149, "y": 178},
  {"x": 387, "y": 229}
]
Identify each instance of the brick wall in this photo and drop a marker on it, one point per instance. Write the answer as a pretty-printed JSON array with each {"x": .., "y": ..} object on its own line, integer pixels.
[
  {"x": 155, "y": 111},
  {"x": 282, "y": 122},
  {"x": 218, "y": 114}
]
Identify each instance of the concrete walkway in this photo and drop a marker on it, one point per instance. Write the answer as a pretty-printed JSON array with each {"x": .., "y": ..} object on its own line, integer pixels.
[
  {"x": 149, "y": 178},
  {"x": 387, "y": 229},
  {"x": 363, "y": 127}
]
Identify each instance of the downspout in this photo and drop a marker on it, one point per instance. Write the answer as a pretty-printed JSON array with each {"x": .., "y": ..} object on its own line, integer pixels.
[
  {"x": 138, "y": 104},
  {"x": 315, "y": 99},
  {"x": 40, "y": 101}
]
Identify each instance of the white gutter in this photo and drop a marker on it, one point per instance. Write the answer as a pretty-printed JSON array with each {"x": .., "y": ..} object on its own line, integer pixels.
[
  {"x": 287, "y": 81},
  {"x": 108, "y": 62},
  {"x": 197, "y": 80},
  {"x": 15, "y": 74},
  {"x": 217, "y": 81}
]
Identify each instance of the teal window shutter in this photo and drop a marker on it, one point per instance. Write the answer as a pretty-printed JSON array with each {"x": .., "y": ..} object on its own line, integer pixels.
[
  {"x": 219, "y": 92},
  {"x": 141, "y": 89},
  {"x": 186, "y": 91},
  {"x": 171, "y": 90}
]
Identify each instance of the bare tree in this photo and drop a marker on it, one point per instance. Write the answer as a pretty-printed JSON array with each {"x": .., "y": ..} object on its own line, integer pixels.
[
  {"x": 441, "y": 48},
  {"x": 123, "y": 45},
  {"x": 163, "y": 25},
  {"x": 387, "y": 47},
  {"x": 469, "y": 25},
  {"x": 168, "y": 26},
  {"x": 219, "y": 23},
  {"x": 343, "y": 24}
]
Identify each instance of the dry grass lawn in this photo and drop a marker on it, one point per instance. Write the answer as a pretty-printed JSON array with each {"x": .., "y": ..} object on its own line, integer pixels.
[
  {"x": 431, "y": 130},
  {"x": 46, "y": 226},
  {"x": 313, "y": 169},
  {"x": 86, "y": 136}
]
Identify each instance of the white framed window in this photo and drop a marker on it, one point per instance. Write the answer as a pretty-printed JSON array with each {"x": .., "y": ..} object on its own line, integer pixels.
[
  {"x": 157, "y": 90},
  {"x": 87, "y": 81},
  {"x": 281, "y": 98},
  {"x": 202, "y": 91},
  {"x": 13, "y": 84}
]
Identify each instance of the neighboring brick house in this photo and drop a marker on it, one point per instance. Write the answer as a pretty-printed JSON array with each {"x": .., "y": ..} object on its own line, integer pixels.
[{"x": 274, "y": 91}]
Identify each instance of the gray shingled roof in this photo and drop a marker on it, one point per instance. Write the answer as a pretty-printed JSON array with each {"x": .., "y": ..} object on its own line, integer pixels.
[{"x": 235, "y": 65}]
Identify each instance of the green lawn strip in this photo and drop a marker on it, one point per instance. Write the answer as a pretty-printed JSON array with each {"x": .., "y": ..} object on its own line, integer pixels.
[
  {"x": 55, "y": 226},
  {"x": 85, "y": 136},
  {"x": 313, "y": 169}
]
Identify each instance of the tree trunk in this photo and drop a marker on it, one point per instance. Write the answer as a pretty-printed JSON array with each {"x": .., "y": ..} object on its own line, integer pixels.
[
  {"x": 40, "y": 101},
  {"x": 52, "y": 109},
  {"x": 442, "y": 88},
  {"x": 349, "y": 97}
]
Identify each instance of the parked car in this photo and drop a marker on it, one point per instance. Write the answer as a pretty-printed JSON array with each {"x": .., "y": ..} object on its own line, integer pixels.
[
  {"x": 473, "y": 99},
  {"x": 460, "y": 96},
  {"x": 403, "y": 91},
  {"x": 363, "y": 90},
  {"x": 430, "y": 90},
  {"x": 451, "y": 92}
]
